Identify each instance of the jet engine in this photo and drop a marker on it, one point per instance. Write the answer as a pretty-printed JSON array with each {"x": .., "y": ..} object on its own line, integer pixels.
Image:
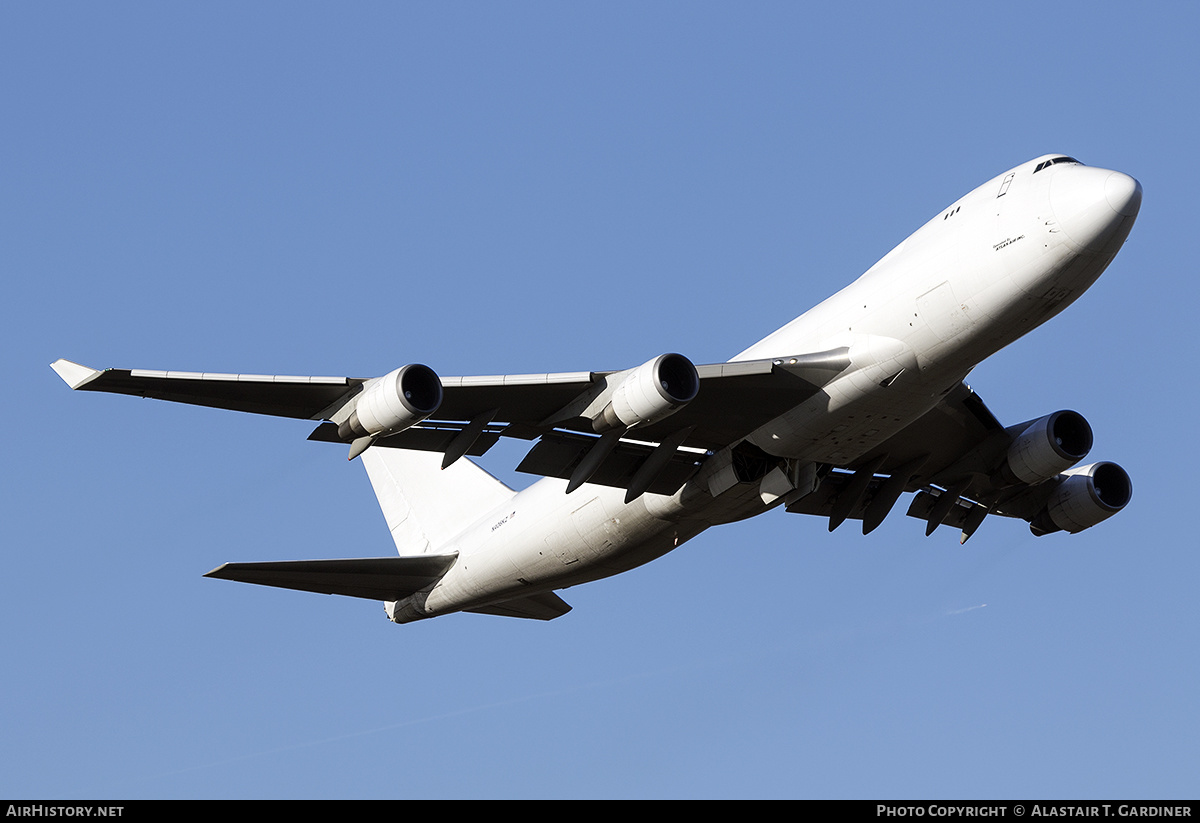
[
  {"x": 394, "y": 402},
  {"x": 1084, "y": 497},
  {"x": 649, "y": 393},
  {"x": 1048, "y": 447}
]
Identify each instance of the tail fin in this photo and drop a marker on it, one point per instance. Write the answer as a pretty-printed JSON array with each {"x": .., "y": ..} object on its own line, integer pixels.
[{"x": 425, "y": 505}]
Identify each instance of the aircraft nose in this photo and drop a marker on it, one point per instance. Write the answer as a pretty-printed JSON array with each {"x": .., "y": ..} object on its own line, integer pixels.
[
  {"x": 1092, "y": 204},
  {"x": 1123, "y": 193}
]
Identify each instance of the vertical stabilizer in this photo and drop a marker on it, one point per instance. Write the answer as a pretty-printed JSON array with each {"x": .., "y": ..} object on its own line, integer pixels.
[{"x": 424, "y": 504}]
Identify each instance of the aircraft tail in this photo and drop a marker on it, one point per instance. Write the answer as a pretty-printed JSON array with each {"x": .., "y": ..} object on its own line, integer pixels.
[{"x": 425, "y": 505}]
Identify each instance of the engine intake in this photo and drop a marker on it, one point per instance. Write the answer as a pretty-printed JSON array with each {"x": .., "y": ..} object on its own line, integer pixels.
[
  {"x": 1048, "y": 447},
  {"x": 1085, "y": 496},
  {"x": 394, "y": 402},
  {"x": 649, "y": 393}
]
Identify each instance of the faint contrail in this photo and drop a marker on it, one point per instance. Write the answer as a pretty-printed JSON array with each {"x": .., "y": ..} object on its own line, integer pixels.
[
  {"x": 967, "y": 609},
  {"x": 409, "y": 722}
]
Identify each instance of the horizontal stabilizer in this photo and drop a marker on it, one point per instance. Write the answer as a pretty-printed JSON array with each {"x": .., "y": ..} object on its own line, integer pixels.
[
  {"x": 545, "y": 606},
  {"x": 371, "y": 578}
]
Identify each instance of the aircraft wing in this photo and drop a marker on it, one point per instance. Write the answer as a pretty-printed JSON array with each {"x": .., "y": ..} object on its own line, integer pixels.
[
  {"x": 963, "y": 465},
  {"x": 559, "y": 410}
]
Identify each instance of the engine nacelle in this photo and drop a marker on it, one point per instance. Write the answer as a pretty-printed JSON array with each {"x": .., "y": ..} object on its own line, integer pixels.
[
  {"x": 1085, "y": 496},
  {"x": 649, "y": 393},
  {"x": 1048, "y": 447},
  {"x": 394, "y": 402}
]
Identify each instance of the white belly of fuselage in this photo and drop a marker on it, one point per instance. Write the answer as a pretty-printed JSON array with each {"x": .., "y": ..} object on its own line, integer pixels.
[{"x": 545, "y": 539}]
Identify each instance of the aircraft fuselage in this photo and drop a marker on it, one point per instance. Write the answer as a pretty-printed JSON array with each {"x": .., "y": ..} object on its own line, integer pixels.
[{"x": 988, "y": 269}]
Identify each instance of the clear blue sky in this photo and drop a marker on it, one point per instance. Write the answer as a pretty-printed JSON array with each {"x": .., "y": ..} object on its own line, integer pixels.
[{"x": 305, "y": 188}]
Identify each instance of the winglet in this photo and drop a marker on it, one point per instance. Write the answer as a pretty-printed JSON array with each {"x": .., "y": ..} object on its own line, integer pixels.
[{"x": 73, "y": 374}]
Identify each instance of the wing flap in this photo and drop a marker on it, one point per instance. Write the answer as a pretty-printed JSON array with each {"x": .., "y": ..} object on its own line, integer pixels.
[
  {"x": 427, "y": 437},
  {"x": 557, "y": 454},
  {"x": 371, "y": 578},
  {"x": 820, "y": 502},
  {"x": 956, "y": 516}
]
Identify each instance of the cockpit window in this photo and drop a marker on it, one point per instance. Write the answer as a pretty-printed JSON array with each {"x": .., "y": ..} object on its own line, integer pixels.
[{"x": 1054, "y": 160}]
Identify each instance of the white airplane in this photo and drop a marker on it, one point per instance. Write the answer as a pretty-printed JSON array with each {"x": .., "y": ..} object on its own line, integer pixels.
[{"x": 836, "y": 414}]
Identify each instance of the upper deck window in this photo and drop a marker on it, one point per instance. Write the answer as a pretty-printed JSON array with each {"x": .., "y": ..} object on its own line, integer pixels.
[{"x": 1054, "y": 160}]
